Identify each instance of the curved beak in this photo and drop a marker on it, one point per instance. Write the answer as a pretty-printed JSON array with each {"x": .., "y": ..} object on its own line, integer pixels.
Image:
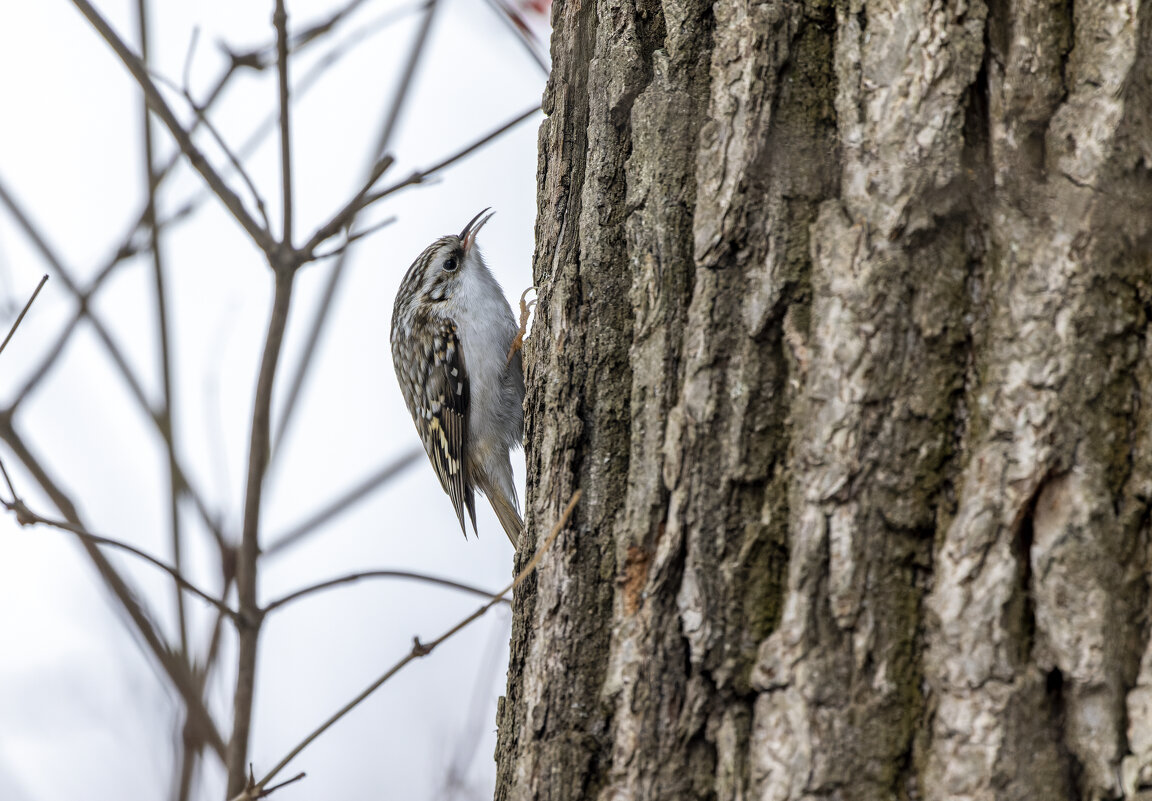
[{"x": 468, "y": 235}]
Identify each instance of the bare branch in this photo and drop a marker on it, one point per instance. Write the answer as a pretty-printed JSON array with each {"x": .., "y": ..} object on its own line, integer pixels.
[
  {"x": 26, "y": 517},
  {"x": 344, "y": 502},
  {"x": 420, "y": 649},
  {"x": 20, "y": 317},
  {"x": 248, "y": 628},
  {"x": 346, "y": 216},
  {"x": 230, "y": 199},
  {"x": 369, "y": 574},
  {"x": 354, "y": 238}
]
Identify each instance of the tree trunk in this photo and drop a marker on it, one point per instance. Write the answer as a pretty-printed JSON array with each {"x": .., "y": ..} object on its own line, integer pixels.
[{"x": 842, "y": 331}]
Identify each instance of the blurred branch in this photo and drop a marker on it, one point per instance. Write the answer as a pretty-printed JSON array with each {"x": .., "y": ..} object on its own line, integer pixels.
[
  {"x": 26, "y": 517},
  {"x": 340, "y": 221},
  {"x": 230, "y": 199},
  {"x": 233, "y": 160},
  {"x": 20, "y": 317},
  {"x": 404, "y": 83},
  {"x": 346, "y": 217},
  {"x": 177, "y": 670},
  {"x": 344, "y": 502},
  {"x": 420, "y": 649},
  {"x": 284, "y": 262},
  {"x": 369, "y": 574},
  {"x": 164, "y": 415}
]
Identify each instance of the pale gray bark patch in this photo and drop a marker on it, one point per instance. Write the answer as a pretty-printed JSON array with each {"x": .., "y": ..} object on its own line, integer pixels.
[{"x": 842, "y": 331}]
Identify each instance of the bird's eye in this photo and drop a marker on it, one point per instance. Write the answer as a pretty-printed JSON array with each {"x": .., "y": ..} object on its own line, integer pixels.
[{"x": 450, "y": 264}]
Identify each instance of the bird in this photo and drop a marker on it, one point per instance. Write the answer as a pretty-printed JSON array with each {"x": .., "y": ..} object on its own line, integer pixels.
[{"x": 452, "y": 338}]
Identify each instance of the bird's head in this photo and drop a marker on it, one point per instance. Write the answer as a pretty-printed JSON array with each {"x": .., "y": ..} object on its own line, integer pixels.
[{"x": 444, "y": 264}]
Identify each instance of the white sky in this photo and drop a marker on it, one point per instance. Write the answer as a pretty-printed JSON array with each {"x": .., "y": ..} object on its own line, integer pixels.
[{"x": 85, "y": 712}]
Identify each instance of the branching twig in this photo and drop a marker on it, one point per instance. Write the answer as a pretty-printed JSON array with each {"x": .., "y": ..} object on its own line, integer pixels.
[
  {"x": 420, "y": 649},
  {"x": 230, "y": 199},
  {"x": 368, "y": 574},
  {"x": 346, "y": 216},
  {"x": 26, "y": 517},
  {"x": 20, "y": 317}
]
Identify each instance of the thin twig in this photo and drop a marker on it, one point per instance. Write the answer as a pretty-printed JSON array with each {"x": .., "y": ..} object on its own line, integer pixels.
[
  {"x": 233, "y": 159},
  {"x": 280, "y": 22},
  {"x": 230, "y": 199},
  {"x": 23, "y": 311},
  {"x": 26, "y": 517},
  {"x": 420, "y": 649},
  {"x": 344, "y": 502},
  {"x": 331, "y": 228},
  {"x": 165, "y": 414},
  {"x": 217, "y": 137},
  {"x": 187, "y": 73},
  {"x": 404, "y": 82},
  {"x": 369, "y": 574}
]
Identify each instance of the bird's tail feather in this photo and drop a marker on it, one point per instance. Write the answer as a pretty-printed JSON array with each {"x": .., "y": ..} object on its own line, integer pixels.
[{"x": 508, "y": 515}]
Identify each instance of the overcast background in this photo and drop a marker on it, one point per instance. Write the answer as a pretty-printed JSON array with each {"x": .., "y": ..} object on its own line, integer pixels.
[{"x": 84, "y": 711}]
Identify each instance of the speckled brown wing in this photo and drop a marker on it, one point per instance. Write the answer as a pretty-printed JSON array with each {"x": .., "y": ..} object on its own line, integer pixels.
[{"x": 444, "y": 428}]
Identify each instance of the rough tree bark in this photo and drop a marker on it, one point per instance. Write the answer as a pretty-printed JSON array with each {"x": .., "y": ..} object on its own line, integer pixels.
[{"x": 843, "y": 332}]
